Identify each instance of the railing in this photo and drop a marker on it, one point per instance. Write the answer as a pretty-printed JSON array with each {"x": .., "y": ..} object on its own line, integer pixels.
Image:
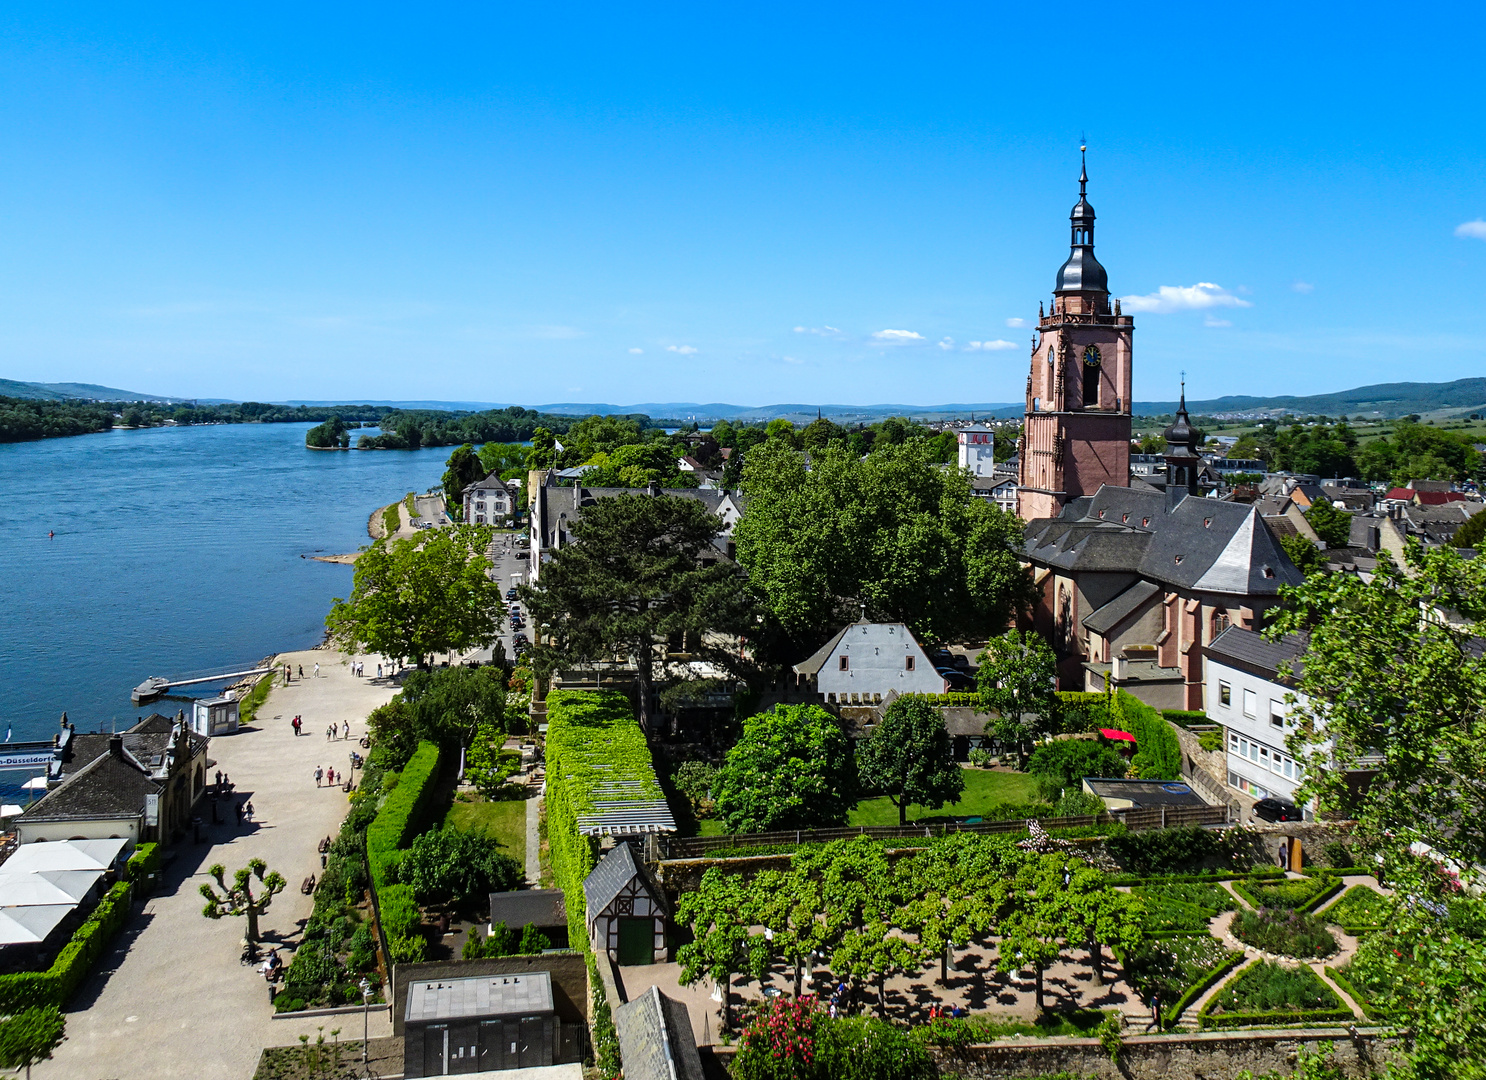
[
  {"x": 1135, "y": 820},
  {"x": 1086, "y": 318}
]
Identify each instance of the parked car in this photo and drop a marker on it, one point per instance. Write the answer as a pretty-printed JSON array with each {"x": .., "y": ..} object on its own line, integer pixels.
[
  {"x": 1276, "y": 810},
  {"x": 510, "y": 594},
  {"x": 956, "y": 678}
]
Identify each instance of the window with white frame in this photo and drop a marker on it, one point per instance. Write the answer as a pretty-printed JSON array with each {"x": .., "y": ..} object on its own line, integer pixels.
[
  {"x": 1276, "y": 713},
  {"x": 1250, "y": 703},
  {"x": 1225, "y": 695}
]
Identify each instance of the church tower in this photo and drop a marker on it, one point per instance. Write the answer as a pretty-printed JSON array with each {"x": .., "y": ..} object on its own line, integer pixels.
[{"x": 1077, "y": 429}]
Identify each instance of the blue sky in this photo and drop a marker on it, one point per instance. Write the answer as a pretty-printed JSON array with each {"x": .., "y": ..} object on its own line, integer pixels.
[{"x": 624, "y": 203}]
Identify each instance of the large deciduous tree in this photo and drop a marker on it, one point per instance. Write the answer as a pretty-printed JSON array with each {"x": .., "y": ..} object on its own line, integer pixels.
[
  {"x": 1017, "y": 679},
  {"x": 1394, "y": 685},
  {"x": 421, "y": 595},
  {"x": 909, "y": 757},
  {"x": 794, "y": 768},
  {"x": 892, "y": 531},
  {"x": 640, "y": 569},
  {"x": 462, "y": 469}
]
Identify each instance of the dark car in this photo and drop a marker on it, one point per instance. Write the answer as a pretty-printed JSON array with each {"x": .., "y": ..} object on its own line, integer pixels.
[
  {"x": 510, "y": 594},
  {"x": 956, "y": 679},
  {"x": 1275, "y": 810}
]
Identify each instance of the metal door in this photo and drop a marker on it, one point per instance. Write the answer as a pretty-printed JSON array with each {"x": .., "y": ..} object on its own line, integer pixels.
[{"x": 436, "y": 1050}]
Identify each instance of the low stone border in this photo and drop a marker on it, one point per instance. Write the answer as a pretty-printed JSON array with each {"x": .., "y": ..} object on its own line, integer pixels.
[{"x": 340, "y": 1010}]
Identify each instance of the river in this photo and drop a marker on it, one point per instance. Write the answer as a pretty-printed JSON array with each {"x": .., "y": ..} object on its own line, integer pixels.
[{"x": 176, "y": 551}]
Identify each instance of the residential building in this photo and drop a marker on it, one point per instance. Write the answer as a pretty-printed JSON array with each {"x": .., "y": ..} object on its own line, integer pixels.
[
  {"x": 866, "y": 661},
  {"x": 977, "y": 449},
  {"x": 999, "y": 489},
  {"x": 140, "y": 785},
  {"x": 1132, "y": 584},
  {"x": 1248, "y": 681},
  {"x": 554, "y": 510},
  {"x": 1076, "y": 431},
  {"x": 488, "y": 502}
]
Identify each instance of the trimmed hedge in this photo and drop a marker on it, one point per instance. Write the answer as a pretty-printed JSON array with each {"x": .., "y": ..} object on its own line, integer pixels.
[
  {"x": 1296, "y": 895},
  {"x": 1185, "y": 718},
  {"x": 592, "y": 738},
  {"x": 1369, "y": 1010},
  {"x": 1204, "y": 876},
  {"x": 397, "y": 821},
  {"x": 1170, "y": 1016},
  {"x": 143, "y": 864},
  {"x": 1360, "y": 910},
  {"x": 1158, "y": 754},
  {"x": 1252, "y": 980},
  {"x": 31, "y": 989}
]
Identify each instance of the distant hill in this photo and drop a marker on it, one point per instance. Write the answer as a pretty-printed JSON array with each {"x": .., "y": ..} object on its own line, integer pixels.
[
  {"x": 690, "y": 410},
  {"x": 74, "y": 392},
  {"x": 1386, "y": 400}
]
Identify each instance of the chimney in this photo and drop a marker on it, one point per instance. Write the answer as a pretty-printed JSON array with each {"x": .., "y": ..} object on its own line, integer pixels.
[
  {"x": 116, "y": 745},
  {"x": 1121, "y": 669}
]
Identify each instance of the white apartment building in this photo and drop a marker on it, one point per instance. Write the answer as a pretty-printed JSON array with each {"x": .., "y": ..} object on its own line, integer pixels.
[
  {"x": 488, "y": 502},
  {"x": 1245, "y": 692}
]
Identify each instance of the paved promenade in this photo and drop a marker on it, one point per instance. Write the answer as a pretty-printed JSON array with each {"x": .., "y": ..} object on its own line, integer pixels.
[{"x": 170, "y": 999}]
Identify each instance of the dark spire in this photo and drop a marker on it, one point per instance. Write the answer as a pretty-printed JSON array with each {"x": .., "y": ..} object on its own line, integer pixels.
[
  {"x": 1182, "y": 460},
  {"x": 1082, "y": 272}
]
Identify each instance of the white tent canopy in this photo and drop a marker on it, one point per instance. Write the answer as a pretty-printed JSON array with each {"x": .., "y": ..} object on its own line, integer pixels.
[
  {"x": 64, "y": 855},
  {"x": 36, "y": 783},
  {"x": 30, "y": 925},
  {"x": 46, "y": 888}
]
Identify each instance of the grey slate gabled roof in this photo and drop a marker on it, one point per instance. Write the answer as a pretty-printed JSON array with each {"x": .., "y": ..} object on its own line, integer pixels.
[
  {"x": 608, "y": 879},
  {"x": 656, "y": 1041},
  {"x": 1203, "y": 544},
  {"x": 107, "y": 787},
  {"x": 817, "y": 659},
  {"x": 1252, "y": 652},
  {"x": 1121, "y": 607}
]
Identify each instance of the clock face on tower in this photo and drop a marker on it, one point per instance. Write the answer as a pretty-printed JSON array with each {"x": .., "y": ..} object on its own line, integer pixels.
[{"x": 1091, "y": 356}]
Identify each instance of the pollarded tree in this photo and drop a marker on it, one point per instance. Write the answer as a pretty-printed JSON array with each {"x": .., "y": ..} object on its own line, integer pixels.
[
  {"x": 788, "y": 908},
  {"x": 30, "y": 1036},
  {"x": 421, "y": 595},
  {"x": 1108, "y": 917},
  {"x": 1018, "y": 679},
  {"x": 794, "y": 768},
  {"x": 1034, "y": 922},
  {"x": 640, "y": 569},
  {"x": 720, "y": 912},
  {"x": 909, "y": 757},
  {"x": 239, "y": 897},
  {"x": 959, "y": 888}
]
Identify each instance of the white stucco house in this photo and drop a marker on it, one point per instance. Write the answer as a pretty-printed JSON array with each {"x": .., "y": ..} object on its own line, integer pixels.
[
  {"x": 866, "y": 660},
  {"x": 1245, "y": 692},
  {"x": 488, "y": 502}
]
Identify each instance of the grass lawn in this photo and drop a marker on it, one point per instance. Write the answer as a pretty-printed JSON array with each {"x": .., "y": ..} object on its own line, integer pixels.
[
  {"x": 505, "y": 821},
  {"x": 983, "y": 789}
]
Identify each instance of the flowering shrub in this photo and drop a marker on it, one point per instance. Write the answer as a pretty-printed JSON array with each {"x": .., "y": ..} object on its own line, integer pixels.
[
  {"x": 1289, "y": 933},
  {"x": 779, "y": 1042}
]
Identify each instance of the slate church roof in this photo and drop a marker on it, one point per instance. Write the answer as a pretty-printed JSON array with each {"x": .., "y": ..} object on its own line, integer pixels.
[{"x": 1201, "y": 545}]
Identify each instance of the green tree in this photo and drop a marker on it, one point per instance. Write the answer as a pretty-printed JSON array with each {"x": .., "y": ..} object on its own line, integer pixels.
[
  {"x": 1394, "y": 685},
  {"x": 1035, "y": 921},
  {"x": 794, "y": 768},
  {"x": 239, "y": 897},
  {"x": 642, "y": 568},
  {"x": 30, "y": 1036},
  {"x": 819, "y": 433},
  {"x": 788, "y": 906},
  {"x": 1333, "y": 526},
  {"x": 1104, "y": 915},
  {"x": 1062, "y": 765},
  {"x": 331, "y": 433},
  {"x": 893, "y": 531},
  {"x": 462, "y": 469},
  {"x": 1303, "y": 554},
  {"x": 461, "y": 867},
  {"x": 958, "y": 886},
  {"x": 418, "y": 596},
  {"x": 694, "y": 780},
  {"x": 1471, "y": 533},
  {"x": 909, "y": 757},
  {"x": 506, "y": 460},
  {"x": 720, "y": 914},
  {"x": 1018, "y": 679},
  {"x": 543, "y": 451}
]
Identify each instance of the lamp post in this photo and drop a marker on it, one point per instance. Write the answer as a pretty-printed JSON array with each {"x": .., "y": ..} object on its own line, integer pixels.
[{"x": 365, "y": 1029}]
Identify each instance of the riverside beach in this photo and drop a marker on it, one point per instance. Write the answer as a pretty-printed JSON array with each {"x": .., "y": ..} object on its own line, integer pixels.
[{"x": 170, "y": 998}]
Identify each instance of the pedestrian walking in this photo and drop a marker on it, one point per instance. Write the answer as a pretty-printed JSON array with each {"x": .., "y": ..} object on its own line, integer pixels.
[
  {"x": 330, "y": 733},
  {"x": 301, "y": 671},
  {"x": 346, "y": 729},
  {"x": 331, "y": 774},
  {"x": 379, "y": 671},
  {"x": 238, "y": 810},
  {"x": 219, "y": 778},
  {"x": 319, "y": 775},
  {"x": 317, "y": 670},
  {"x": 248, "y": 810}
]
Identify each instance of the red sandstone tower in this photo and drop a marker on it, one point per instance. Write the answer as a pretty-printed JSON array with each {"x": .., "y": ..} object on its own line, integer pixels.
[{"x": 1077, "y": 433}]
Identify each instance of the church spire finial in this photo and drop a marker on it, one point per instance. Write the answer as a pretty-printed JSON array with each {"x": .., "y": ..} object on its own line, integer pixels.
[{"x": 1083, "y": 162}]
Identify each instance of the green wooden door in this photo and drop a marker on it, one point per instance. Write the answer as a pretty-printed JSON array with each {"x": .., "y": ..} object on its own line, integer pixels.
[{"x": 636, "y": 941}]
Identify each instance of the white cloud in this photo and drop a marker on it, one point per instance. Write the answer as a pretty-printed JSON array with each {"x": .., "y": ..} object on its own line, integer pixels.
[
  {"x": 897, "y": 336},
  {"x": 1475, "y": 230},
  {"x": 684, "y": 350},
  {"x": 792, "y": 360},
  {"x": 1303, "y": 287},
  {"x": 947, "y": 343},
  {"x": 636, "y": 352},
  {"x": 1014, "y": 323},
  {"x": 819, "y": 331},
  {"x": 989, "y": 346},
  {"x": 1211, "y": 321},
  {"x": 1170, "y": 298}
]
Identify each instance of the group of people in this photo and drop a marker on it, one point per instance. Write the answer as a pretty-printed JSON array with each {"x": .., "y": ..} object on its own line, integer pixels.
[{"x": 325, "y": 776}]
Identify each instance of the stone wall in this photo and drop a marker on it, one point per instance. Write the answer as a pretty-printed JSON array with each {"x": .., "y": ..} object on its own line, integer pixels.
[
  {"x": 1207, "y": 771},
  {"x": 1211, "y": 1056},
  {"x": 1313, "y": 835}
]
